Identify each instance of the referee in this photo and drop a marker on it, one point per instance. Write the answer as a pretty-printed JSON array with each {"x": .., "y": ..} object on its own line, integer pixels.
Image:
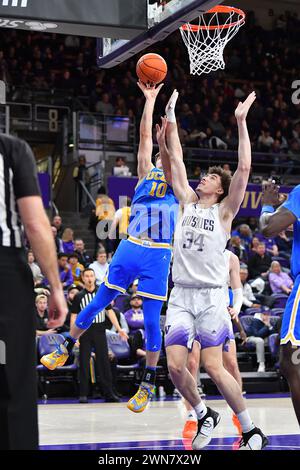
[
  {"x": 95, "y": 338},
  {"x": 20, "y": 203}
]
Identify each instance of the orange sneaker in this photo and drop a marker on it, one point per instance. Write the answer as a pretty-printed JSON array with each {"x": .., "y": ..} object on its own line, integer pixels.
[
  {"x": 189, "y": 430},
  {"x": 237, "y": 424}
]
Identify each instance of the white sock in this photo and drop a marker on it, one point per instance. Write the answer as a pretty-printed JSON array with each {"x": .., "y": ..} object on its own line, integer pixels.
[
  {"x": 170, "y": 108},
  {"x": 200, "y": 410},
  {"x": 192, "y": 416},
  {"x": 245, "y": 420}
]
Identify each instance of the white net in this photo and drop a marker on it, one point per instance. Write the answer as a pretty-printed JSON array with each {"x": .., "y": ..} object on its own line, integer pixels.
[{"x": 206, "y": 40}]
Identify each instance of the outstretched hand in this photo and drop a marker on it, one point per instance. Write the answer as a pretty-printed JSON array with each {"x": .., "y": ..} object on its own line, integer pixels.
[
  {"x": 161, "y": 130},
  {"x": 150, "y": 92},
  {"x": 270, "y": 195},
  {"x": 242, "y": 110},
  {"x": 172, "y": 102}
]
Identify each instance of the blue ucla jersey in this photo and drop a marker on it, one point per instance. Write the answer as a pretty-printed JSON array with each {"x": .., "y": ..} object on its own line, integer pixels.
[
  {"x": 293, "y": 205},
  {"x": 154, "y": 208}
]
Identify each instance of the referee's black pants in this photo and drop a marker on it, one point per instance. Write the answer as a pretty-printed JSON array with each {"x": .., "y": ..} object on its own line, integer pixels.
[
  {"x": 18, "y": 378},
  {"x": 95, "y": 338}
]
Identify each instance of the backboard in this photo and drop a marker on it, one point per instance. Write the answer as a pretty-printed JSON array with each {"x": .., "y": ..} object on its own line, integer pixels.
[{"x": 164, "y": 17}]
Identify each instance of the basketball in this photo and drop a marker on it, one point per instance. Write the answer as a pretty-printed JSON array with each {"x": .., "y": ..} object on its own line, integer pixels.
[{"x": 151, "y": 69}]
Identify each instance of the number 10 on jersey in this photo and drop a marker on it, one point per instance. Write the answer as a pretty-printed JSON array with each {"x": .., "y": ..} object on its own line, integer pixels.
[{"x": 158, "y": 190}]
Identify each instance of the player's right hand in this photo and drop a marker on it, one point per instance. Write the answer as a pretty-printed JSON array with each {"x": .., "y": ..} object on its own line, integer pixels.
[
  {"x": 58, "y": 309},
  {"x": 150, "y": 93}
]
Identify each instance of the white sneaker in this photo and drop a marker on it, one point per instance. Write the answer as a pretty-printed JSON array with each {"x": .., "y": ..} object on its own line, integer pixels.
[
  {"x": 261, "y": 367},
  {"x": 206, "y": 425},
  {"x": 253, "y": 440}
]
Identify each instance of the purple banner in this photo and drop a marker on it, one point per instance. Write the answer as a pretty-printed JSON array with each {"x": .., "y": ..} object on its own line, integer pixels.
[
  {"x": 45, "y": 186},
  {"x": 251, "y": 207}
]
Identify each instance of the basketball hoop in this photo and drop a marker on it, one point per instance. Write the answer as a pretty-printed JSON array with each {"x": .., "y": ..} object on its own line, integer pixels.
[{"x": 206, "y": 40}]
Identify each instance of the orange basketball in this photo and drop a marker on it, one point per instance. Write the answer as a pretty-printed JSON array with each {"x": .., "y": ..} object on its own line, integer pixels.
[{"x": 151, "y": 69}]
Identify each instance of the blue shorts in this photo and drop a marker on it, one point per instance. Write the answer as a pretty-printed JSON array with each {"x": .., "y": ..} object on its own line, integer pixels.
[
  {"x": 146, "y": 261},
  {"x": 290, "y": 330}
]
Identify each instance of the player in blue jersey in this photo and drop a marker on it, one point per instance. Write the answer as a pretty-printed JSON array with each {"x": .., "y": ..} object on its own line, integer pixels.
[
  {"x": 272, "y": 222},
  {"x": 145, "y": 255}
]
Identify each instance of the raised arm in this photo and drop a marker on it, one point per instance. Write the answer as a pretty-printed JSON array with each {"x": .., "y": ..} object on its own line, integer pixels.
[
  {"x": 146, "y": 143},
  {"x": 233, "y": 201},
  {"x": 180, "y": 184},
  {"x": 272, "y": 222}
]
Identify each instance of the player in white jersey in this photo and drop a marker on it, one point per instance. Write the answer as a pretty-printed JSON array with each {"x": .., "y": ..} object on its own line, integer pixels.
[
  {"x": 197, "y": 305},
  {"x": 229, "y": 354}
]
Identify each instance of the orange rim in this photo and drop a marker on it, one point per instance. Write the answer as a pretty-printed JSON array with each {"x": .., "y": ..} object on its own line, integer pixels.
[{"x": 217, "y": 9}]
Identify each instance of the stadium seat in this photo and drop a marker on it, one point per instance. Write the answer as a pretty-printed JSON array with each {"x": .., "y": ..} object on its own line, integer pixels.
[
  {"x": 120, "y": 301},
  {"x": 274, "y": 344},
  {"x": 280, "y": 300},
  {"x": 285, "y": 263},
  {"x": 68, "y": 373},
  {"x": 277, "y": 311},
  {"x": 252, "y": 311}
]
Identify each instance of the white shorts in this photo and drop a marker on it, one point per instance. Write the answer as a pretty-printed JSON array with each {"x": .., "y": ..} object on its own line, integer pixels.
[{"x": 198, "y": 314}]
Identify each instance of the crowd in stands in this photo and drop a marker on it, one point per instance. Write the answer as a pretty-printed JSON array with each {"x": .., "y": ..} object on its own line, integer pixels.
[{"x": 266, "y": 61}]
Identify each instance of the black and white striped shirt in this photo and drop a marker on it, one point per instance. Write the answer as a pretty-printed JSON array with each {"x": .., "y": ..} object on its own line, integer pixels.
[
  {"x": 18, "y": 179},
  {"x": 84, "y": 298}
]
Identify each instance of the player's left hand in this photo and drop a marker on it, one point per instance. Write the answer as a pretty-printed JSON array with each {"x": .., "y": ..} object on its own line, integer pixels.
[
  {"x": 161, "y": 130},
  {"x": 150, "y": 92},
  {"x": 242, "y": 110},
  {"x": 123, "y": 335},
  {"x": 270, "y": 195},
  {"x": 233, "y": 313}
]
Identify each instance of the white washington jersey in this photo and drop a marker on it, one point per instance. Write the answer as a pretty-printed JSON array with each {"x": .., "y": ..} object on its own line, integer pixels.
[
  {"x": 200, "y": 242},
  {"x": 227, "y": 255}
]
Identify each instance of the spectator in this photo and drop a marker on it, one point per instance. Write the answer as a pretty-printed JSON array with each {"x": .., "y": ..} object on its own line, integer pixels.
[
  {"x": 227, "y": 168},
  {"x": 76, "y": 269},
  {"x": 259, "y": 265},
  {"x": 271, "y": 246},
  {"x": 235, "y": 245},
  {"x": 245, "y": 234},
  {"x": 284, "y": 244},
  {"x": 81, "y": 175},
  {"x": 253, "y": 247},
  {"x": 57, "y": 240},
  {"x": 249, "y": 299},
  {"x": 100, "y": 266},
  {"x": 57, "y": 223},
  {"x": 41, "y": 304},
  {"x": 280, "y": 282},
  {"x": 73, "y": 290},
  {"x": 119, "y": 226},
  {"x": 216, "y": 126},
  {"x": 135, "y": 316},
  {"x": 65, "y": 272},
  {"x": 68, "y": 241},
  {"x": 265, "y": 141},
  {"x": 83, "y": 256},
  {"x": 36, "y": 271},
  {"x": 120, "y": 168},
  {"x": 104, "y": 106},
  {"x": 104, "y": 213},
  {"x": 259, "y": 329}
]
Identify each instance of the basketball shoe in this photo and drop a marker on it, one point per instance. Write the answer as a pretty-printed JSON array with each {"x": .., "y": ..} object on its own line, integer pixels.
[
  {"x": 140, "y": 400},
  {"x": 206, "y": 425},
  {"x": 57, "y": 358},
  {"x": 253, "y": 440},
  {"x": 189, "y": 430}
]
